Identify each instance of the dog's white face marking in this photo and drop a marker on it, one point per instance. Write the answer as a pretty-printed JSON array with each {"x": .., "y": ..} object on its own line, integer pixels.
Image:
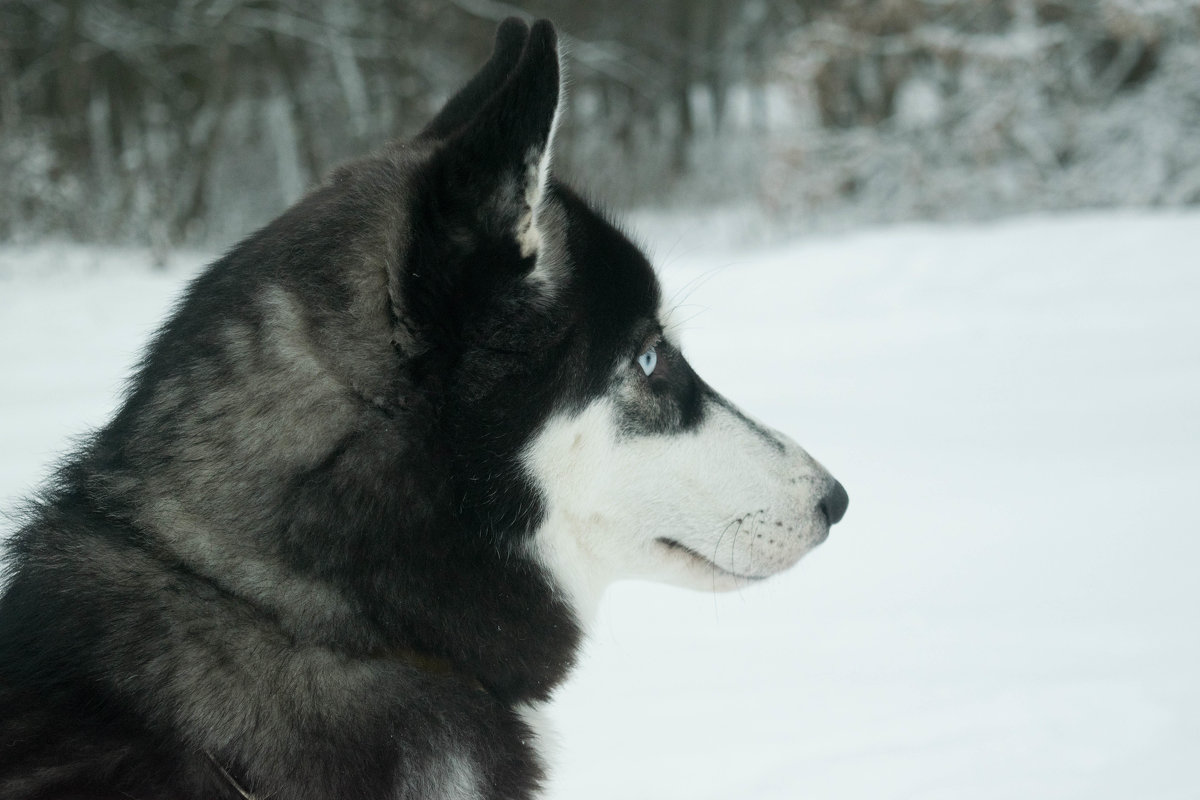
[{"x": 715, "y": 506}]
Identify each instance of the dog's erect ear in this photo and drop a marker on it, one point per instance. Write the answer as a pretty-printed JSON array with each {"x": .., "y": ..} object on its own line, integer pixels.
[
  {"x": 460, "y": 109},
  {"x": 479, "y": 195},
  {"x": 495, "y": 168}
]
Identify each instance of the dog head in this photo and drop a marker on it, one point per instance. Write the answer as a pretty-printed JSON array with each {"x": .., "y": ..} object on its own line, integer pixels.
[
  {"x": 574, "y": 414},
  {"x": 439, "y": 357}
]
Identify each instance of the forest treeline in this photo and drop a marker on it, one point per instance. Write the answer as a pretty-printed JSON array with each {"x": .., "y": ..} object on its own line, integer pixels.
[{"x": 174, "y": 121}]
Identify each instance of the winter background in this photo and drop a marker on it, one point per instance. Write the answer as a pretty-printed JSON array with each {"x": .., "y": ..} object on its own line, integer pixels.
[{"x": 950, "y": 246}]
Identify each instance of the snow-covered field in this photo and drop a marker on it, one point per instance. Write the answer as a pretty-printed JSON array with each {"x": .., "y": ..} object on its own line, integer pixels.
[{"x": 1011, "y": 608}]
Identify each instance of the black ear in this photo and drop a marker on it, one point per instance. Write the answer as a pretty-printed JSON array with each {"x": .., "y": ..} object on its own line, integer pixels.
[
  {"x": 475, "y": 229},
  {"x": 458, "y": 111},
  {"x": 498, "y": 164}
]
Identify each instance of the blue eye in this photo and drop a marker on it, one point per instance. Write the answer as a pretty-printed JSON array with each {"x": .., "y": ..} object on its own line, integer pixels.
[{"x": 648, "y": 361}]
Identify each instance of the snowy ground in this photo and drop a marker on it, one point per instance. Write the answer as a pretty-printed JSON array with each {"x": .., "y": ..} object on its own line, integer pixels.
[{"x": 1009, "y": 610}]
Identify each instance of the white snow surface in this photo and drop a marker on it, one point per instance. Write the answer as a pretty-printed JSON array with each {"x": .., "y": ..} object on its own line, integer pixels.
[{"x": 1010, "y": 607}]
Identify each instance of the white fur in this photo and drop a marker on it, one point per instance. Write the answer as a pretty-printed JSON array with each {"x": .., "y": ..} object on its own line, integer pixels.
[
  {"x": 744, "y": 505},
  {"x": 537, "y": 170}
]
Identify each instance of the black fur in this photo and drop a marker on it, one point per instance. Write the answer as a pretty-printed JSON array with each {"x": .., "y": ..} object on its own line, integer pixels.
[{"x": 292, "y": 564}]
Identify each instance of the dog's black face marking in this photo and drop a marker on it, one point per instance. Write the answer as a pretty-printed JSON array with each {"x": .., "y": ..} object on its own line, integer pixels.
[{"x": 668, "y": 401}]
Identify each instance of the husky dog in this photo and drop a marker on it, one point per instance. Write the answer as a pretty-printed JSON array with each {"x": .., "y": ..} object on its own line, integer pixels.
[{"x": 369, "y": 482}]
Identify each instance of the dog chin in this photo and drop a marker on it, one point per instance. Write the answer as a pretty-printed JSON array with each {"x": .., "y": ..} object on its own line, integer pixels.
[
  {"x": 692, "y": 569},
  {"x": 696, "y": 571}
]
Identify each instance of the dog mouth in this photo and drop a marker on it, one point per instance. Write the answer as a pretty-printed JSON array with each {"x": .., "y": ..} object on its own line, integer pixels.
[{"x": 679, "y": 547}]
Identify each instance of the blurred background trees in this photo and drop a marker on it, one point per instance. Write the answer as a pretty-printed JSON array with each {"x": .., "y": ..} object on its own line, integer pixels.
[{"x": 170, "y": 121}]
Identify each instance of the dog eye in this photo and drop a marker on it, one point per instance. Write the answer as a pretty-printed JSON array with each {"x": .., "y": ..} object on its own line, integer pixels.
[{"x": 648, "y": 361}]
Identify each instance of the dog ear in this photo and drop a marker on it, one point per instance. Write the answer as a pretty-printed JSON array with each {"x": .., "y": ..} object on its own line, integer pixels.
[
  {"x": 495, "y": 168},
  {"x": 475, "y": 231},
  {"x": 460, "y": 109}
]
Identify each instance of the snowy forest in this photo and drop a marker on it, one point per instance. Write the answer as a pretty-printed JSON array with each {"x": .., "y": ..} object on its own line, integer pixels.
[{"x": 168, "y": 122}]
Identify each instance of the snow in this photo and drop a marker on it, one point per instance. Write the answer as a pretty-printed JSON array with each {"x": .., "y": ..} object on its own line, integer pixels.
[{"x": 1009, "y": 608}]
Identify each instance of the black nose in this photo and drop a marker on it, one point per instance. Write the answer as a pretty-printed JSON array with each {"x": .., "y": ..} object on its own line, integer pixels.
[{"x": 834, "y": 503}]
